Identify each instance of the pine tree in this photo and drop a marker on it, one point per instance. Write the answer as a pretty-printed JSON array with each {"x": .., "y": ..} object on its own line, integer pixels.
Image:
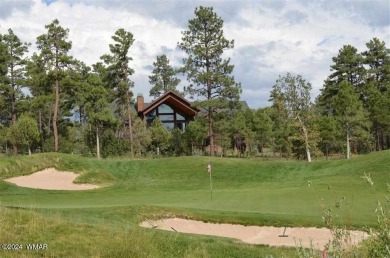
[
  {"x": 162, "y": 77},
  {"x": 347, "y": 66},
  {"x": 42, "y": 96},
  {"x": 95, "y": 104},
  {"x": 349, "y": 113},
  {"x": 377, "y": 89},
  {"x": 13, "y": 81},
  {"x": 118, "y": 75},
  {"x": 54, "y": 47},
  {"x": 209, "y": 74}
]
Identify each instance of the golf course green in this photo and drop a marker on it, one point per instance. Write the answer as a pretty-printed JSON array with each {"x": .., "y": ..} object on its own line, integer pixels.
[{"x": 104, "y": 222}]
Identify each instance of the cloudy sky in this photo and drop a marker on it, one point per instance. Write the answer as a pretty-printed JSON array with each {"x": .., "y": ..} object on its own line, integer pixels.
[{"x": 272, "y": 37}]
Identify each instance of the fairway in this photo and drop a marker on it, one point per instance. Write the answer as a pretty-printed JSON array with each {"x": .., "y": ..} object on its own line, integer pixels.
[{"x": 245, "y": 191}]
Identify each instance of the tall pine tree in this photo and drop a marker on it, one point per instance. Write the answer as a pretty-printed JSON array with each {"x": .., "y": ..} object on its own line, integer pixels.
[
  {"x": 377, "y": 90},
  {"x": 119, "y": 72},
  {"x": 54, "y": 47},
  {"x": 347, "y": 66},
  {"x": 209, "y": 74},
  {"x": 350, "y": 114},
  {"x": 14, "y": 79}
]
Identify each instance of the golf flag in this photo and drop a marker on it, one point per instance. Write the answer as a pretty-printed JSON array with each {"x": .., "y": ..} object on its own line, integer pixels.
[{"x": 211, "y": 184}]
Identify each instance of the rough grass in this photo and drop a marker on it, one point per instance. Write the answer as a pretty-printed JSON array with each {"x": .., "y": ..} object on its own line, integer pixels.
[{"x": 74, "y": 239}]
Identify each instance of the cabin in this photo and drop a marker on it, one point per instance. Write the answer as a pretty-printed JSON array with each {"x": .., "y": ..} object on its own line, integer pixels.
[{"x": 173, "y": 110}]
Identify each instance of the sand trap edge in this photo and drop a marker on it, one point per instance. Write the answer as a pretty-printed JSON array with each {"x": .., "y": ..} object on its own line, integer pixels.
[
  {"x": 51, "y": 179},
  {"x": 272, "y": 236}
]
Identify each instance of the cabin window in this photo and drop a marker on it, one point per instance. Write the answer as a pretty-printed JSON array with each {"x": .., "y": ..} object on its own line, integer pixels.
[
  {"x": 168, "y": 116},
  {"x": 164, "y": 108},
  {"x": 151, "y": 116}
]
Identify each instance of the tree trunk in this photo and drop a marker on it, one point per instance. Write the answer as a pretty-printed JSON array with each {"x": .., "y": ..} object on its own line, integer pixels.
[
  {"x": 55, "y": 115},
  {"x": 130, "y": 124},
  {"x": 212, "y": 153},
  {"x": 13, "y": 110},
  {"x": 14, "y": 146},
  {"x": 327, "y": 151},
  {"x": 40, "y": 129},
  {"x": 97, "y": 143},
  {"x": 29, "y": 150},
  {"x": 306, "y": 138}
]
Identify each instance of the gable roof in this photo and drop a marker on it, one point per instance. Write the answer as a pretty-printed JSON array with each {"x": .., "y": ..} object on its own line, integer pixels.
[{"x": 174, "y": 100}]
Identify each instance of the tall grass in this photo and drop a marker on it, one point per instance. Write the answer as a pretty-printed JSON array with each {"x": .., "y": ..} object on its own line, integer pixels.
[{"x": 70, "y": 239}]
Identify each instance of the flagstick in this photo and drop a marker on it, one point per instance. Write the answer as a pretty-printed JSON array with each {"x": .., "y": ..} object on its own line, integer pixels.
[{"x": 211, "y": 187}]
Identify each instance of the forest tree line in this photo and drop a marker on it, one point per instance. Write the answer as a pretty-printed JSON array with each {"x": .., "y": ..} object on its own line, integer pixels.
[{"x": 42, "y": 91}]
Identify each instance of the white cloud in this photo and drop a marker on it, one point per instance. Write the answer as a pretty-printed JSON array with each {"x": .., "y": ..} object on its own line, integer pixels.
[{"x": 271, "y": 37}]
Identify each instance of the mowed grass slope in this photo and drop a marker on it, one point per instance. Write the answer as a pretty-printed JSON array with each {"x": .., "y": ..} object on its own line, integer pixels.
[{"x": 104, "y": 222}]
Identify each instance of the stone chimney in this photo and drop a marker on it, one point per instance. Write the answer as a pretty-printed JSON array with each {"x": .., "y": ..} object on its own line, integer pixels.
[{"x": 140, "y": 102}]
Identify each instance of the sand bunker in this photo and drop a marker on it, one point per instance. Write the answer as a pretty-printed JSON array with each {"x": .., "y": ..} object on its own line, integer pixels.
[
  {"x": 272, "y": 236},
  {"x": 50, "y": 179}
]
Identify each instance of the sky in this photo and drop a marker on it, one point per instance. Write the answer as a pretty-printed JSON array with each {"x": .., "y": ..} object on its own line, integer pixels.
[{"x": 271, "y": 37}]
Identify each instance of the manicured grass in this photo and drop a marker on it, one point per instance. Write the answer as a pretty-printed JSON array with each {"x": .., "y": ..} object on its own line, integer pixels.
[{"x": 245, "y": 191}]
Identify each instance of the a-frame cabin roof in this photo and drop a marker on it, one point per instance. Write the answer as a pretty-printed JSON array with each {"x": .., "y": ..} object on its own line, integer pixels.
[{"x": 174, "y": 100}]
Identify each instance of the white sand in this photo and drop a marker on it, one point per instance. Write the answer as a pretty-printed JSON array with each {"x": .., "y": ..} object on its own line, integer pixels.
[
  {"x": 50, "y": 179},
  {"x": 255, "y": 234}
]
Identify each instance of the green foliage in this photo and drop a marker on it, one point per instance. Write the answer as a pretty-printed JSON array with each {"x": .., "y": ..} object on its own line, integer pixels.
[
  {"x": 142, "y": 136},
  {"x": 24, "y": 132},
  {"x": 162, "y": 78},
  {"x": 348, "y": 66},
  {"x": 328, "y": 133},
  {"x": 118, "y": 70},
  {"x": 112, "y": 146},
  {"x": 377, "y": 57},
  {"x": 281, "y": 124},
  {"x": 223, "y": 138},
  {"x": 196, "y": 135},
  {"x": 379, "y": 244},
  {"x": 160, "y": 136},
  {"x": 262, "y": 126},
  {"x": 72, "y": 140},
  {"x": 3, "y": 138},
  {"x": 178, "y": 146}
]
